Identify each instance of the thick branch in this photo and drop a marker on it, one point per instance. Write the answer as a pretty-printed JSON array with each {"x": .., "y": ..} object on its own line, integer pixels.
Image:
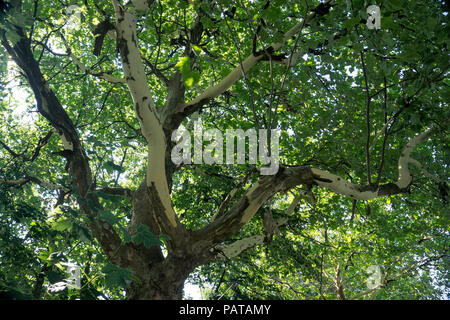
[
  {"x": 22, "y": 181},
  {"x": 125, "y": 192},
  {"x": 102, "y": 75},
  {"x": 239, "y": 246},
  {"x": 404, "y": 178},
  {"x": 151, "y": 127},
  {"x": 237, "y": 73},
  {"x": 142, "y": 5},
  {"x": 229, "y": 196},
  {"x": 244, "y": 209},
  {"x": 343, "y": 187},
  {"x": 50, "y": 107}
]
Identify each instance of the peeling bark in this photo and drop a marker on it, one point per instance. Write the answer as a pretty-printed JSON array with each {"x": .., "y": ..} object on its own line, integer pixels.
[
  {"x": 247, "y": 64},
  {"x": 346, "y": 188},
  {"x": 144, "y": 107},
  {"x": 184, "y": 109},
  {"x": 239, "y": 246}
]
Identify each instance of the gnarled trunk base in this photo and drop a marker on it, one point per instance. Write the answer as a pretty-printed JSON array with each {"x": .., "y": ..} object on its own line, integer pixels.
[
  {"x": 169, "y": 289},
  {"x": 163, "y": 281}
]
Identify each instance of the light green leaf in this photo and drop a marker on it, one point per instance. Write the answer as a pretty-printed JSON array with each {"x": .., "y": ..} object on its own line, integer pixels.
[{"x": 62, "y": 225}]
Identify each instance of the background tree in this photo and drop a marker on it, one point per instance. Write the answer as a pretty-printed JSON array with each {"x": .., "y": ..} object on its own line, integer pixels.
[{"x": 86, "y": 173}]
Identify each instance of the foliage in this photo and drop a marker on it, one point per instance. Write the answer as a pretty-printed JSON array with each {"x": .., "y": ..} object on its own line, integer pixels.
[{"x": 348, "y": 84}]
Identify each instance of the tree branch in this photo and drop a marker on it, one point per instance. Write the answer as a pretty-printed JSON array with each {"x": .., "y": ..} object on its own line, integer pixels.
[
  {"x": 102, "y": 75},
  {"x": 237, "y": 73},
  {"x": 236, "y": 248},
  {"x": 228, "y": 198},
  {"x": 50, "y": 107},
  {"x": 151, "y": 127},
  {"x": 20, "y": 182},
  {"x": 424, "y": 171},
  {"x": 239, "y": 246},
  {"x": 244, "y": 209},
  {"x": 117, "y": 191},
  {"x": 368, "y": 101},
  {"x": 383, "y": 130},
  {"x": 340, "y": 186},
  {"x": 10, "y": 151},
  {"x": 142, "y": 5}
]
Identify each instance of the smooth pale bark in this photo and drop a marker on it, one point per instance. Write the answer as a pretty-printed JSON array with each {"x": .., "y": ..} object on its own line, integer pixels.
[
  {"x": 236, "y": 248},
  {"x": 346, "y": 188},
  {"x": 257, "y": 195},
  {"x": 236, "y": 74},
  {"x": 404, "y": 177},
  {"x": 144, "y": 107}
]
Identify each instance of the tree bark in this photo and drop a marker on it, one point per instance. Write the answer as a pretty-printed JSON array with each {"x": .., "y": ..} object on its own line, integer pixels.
[{"x": 164, "y": 281}]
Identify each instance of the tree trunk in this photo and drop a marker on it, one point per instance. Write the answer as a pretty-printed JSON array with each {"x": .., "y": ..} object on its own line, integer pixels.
[
  {"x": 164, "y": 281},
  {"x": 166, "y": 288}
]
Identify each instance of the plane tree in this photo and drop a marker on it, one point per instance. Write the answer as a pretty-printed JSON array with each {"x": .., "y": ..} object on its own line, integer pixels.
[{"x": 93, "y": 92}]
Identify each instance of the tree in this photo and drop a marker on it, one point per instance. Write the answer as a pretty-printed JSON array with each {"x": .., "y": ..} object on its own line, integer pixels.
[{"x": 87, "y": 174}]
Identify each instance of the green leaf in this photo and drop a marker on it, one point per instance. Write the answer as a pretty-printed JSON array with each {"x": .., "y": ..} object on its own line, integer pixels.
[
  {"x": 116, "y": 276},
  {"x": 20, "y": 20},
  {"x": 146, "y": 237},
  {"x": 82, "y": 233},
  {"x": 110, "y": 167},
  {"x": 397, "y": 4},
  {"x": 109, "y": 217},
  {"x": 183, "y": 65},
  {"x": 62, "y": 225},
  {"x": 13, "y": 37},
  {"x": 190, "y": 78},
  {"x": 206, "y": 21},
  {"x": 55, "y": 257},
  {"x": 197, "y": 49},
  {"x": 387, "y": 22},
  {"x": 164, "y": 237},
  {"x": 111, "y": 197},
  {"x": 126, "y": 236},
  {"x": 350, "y": 23},
  {"x": 92, "y": 205},
  {"x": 43, "y": 255}
]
